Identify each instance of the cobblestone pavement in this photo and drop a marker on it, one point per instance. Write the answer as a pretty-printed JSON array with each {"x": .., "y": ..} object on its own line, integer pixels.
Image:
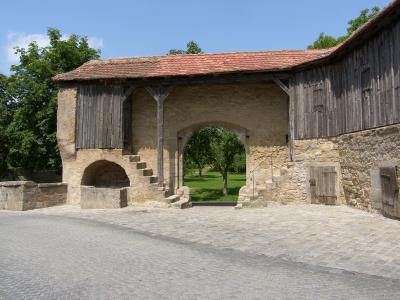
[
  {"x": 58, "y": 257},
  {"x": 332, "y": 236}
]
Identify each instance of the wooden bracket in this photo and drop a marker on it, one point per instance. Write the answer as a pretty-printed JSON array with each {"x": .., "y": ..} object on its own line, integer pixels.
[
  {"x": 129, "y": 91},
  {"x": 160, "y": 92},
  {"x": 283, "y": 86}
]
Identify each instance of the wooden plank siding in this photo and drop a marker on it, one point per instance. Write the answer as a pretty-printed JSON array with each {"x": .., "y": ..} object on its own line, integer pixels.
[
  {"x": 100, "y": 123},
  {"x": 360, "y": 91}
]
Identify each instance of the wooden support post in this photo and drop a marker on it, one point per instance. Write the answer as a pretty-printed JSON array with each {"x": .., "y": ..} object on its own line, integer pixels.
[
  {"x": 127, "y": 119},
  {"x": 160, "y": 93},
  {"x": 291, "y": 121},
  {"x": 289, "y": 91}
]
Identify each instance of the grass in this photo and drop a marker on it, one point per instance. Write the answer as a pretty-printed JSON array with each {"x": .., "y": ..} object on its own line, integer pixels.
[{"x": 209, "y": 187}]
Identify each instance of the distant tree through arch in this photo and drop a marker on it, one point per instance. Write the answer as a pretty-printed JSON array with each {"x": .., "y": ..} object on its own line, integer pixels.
[{"x": 216, "y": 149}]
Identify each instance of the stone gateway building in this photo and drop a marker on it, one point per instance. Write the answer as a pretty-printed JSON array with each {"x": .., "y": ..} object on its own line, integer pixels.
[{"x": 318, "y": 126}]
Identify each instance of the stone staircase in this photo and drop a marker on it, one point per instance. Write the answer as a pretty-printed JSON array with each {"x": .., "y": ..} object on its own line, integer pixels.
[
  {"x": 156, "y": 195},
  {"x": 261, "y": 194}
]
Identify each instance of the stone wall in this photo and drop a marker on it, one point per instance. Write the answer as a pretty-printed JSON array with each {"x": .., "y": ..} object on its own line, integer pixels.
[
  {"x": 361, "y": 155},
  {"x": 74, "y": 170},
  {"x": 357, "y": 158},
  {"x": 25, "y": 195},
  {"x": 259, "y": 109},
  {"x": 290, "y": 184}
]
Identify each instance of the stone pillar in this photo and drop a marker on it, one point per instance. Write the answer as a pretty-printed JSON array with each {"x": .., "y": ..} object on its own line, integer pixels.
[{"x": 66, "y": 119}]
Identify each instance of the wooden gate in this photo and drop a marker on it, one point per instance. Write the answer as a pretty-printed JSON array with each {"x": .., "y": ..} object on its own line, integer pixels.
[
  {"x": 390, "y": 191},
  {"x": 323, "y": 185}
]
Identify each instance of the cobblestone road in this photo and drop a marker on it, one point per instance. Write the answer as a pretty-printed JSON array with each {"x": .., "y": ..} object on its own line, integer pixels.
[
  {"x": 334, "y": 237},
  {"x": 57, "y": 257}
]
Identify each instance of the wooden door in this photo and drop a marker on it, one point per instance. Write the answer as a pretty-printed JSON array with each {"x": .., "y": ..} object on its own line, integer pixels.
[
  {"x": 323, "y": 185},
  {"x": 390, "y": 191}
]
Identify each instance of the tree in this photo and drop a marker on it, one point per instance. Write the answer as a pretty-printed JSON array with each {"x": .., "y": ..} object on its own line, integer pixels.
[
  {"x": 32, "y": 131},
  {"x": 191, "y": 48},
  {"x": 225, "y": 145},
  {"x": 326, "y": 41},
  {"x": 239, "y": 163},
  {"x": 198, "y": 151},
  {"x": 364, "y": 17},
  {"x": 7, "y": 103}
]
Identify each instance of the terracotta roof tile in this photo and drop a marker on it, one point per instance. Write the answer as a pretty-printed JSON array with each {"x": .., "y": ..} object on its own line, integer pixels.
[{"x": 189, "y": 65}]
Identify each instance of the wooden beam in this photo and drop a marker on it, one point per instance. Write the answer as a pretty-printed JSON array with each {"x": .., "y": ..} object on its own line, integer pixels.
[
  {"x": 189, "y": 80},
  {"x": 282, "y": 85},
  {"x": 129, "y": 91},
  {"x": 291, "y": 120},
  {"x": 160, "y": 93}
]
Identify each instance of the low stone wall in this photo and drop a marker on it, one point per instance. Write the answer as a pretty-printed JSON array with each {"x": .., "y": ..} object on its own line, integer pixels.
[
  {"x": 97, "y": 197},
  {"x": 25, "y": 195}
]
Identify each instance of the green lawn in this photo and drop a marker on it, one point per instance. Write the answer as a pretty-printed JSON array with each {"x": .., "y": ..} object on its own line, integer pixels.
[{"x": 209, "y": 186}]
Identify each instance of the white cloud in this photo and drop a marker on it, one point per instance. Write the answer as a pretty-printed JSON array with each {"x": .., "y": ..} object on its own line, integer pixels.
[
  {"x": 22, "y": 40},
  {"x": 95, "y": 42}
]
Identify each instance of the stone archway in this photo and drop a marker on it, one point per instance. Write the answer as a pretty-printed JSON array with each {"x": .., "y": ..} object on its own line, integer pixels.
[
  {"x": 104, "y": 173},
  {"x": 104, "y": 185},
  {"x": 186, "y": 133}
]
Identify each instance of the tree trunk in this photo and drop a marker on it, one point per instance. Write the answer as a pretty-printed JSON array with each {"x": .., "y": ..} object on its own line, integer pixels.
[
  {"x": 225, "y": 178},
  {"x": 200, "y": 172}
]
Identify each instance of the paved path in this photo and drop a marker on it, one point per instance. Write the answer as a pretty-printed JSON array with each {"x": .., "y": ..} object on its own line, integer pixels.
[
  {"x": 331, "y": 236},
  {"x": 58, "y": 257}
]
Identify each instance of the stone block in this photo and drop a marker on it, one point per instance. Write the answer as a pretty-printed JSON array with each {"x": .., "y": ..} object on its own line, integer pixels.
[
  {"x": 26, "y": 195},
  {"x": 96, "y": 197}
]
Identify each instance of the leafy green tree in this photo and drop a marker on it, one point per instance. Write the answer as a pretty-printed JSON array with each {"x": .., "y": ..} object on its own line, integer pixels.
[
  {"x": 326, "y": 41},
  {"x": 7, "y": 103},
  {"x": 239, "y": 163},
  {"x": 32, "y": 131},
  {"x": 225, "y": 145},
  {"x": 364, "y": 17},
  {"x": 198, "y": 149},
  {"x": 191, "y": 48}
]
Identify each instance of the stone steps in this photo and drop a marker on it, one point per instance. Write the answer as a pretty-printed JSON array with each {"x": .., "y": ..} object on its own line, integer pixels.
[
  {"x": 148, "y": 177},
  {"x": 273, "y": 183},
  {"x": 263, "y": 192}
]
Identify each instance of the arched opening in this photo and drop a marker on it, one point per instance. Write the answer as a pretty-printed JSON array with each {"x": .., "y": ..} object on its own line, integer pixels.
[
  {"x": 214, "y": 165},
  {"x": 104, "y": 173}
]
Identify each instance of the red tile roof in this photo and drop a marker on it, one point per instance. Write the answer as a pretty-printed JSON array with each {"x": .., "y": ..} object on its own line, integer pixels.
[{"x": 191, "y": 64}]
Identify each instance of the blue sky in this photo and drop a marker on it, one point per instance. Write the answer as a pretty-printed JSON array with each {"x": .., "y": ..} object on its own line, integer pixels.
[{"x": 123, "y": 28}]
